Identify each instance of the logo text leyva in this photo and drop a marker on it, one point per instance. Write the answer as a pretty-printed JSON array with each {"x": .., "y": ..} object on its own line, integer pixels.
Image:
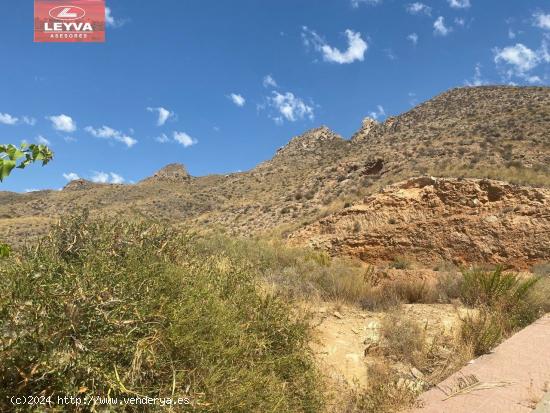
[{"x": 69, "y": 21}]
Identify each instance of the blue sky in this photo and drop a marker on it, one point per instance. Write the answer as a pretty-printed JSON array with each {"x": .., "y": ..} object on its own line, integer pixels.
[{"x": 220, "y": 85}]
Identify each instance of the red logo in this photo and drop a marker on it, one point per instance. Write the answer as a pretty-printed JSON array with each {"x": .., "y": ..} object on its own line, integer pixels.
[
  {"x": 67, "y": 13},
  {"x": 69, "y": 21}
]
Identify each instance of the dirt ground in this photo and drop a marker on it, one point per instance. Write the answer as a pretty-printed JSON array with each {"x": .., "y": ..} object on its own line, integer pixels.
[{"x": 343, "y": 334}]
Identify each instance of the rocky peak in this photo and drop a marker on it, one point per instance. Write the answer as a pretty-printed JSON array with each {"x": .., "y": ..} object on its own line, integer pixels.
[
  {"x": 174, "y": 172},
  {"x": 79, "y": 185},
  {"x": 310, "y": 140},
  {"x": 369, "y": 127}
]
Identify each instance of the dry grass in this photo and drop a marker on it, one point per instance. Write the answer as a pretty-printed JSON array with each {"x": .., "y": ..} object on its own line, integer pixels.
[
  {"x": 386, "y": 392},
  {"x": 402, "y": 338},
  {"x": 515, "y": 175}
]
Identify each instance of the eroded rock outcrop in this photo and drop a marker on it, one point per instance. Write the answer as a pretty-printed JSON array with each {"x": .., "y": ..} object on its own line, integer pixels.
[
  {"x": 174, "y": 173},
  {"x": 429, "y": 220}
]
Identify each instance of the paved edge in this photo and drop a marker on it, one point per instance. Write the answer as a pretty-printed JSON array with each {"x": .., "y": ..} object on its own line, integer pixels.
[{"x": 520, "y": 366}]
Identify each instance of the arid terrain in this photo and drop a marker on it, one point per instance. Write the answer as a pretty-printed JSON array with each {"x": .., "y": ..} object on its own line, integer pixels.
[
  {"x": 485, "y": 132},
  {"x": 415, "y": 246}
]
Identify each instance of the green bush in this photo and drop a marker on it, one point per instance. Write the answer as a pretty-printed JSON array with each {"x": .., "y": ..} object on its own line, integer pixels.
[
  {"x": 492, "y": 288},
  {"x": 5, "y": 250},
  {"x": 505, "y": 304},
  {"x": 482, "y": 332},
  {"x": 124, "y": 309},
  {"x": 505, "y": 293}
]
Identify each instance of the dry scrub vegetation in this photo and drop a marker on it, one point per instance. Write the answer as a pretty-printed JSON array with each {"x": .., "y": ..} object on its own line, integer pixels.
[
  {"x": 126, "y": 309},
  {"x": 101, "y": 307}
]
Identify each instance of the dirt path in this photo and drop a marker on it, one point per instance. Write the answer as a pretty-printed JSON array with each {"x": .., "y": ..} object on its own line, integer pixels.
[
  {"x": 341, "y": 335},
  {"x": 514, "y": 378}
]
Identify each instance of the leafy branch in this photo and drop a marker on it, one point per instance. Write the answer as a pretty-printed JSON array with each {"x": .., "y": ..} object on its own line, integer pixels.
[{"x": 13, "y": 157}]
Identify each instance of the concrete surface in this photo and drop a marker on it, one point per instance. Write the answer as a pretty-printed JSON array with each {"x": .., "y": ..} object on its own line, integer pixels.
[{"x": 512, "y": 379}]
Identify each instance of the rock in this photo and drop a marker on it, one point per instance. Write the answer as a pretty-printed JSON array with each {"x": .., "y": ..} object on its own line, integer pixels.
[
  {"x": 430, "y": 220},
  {"x": 80, "y": 185},
  {"x": 338, "y": 315},
  {"x": 174, "y": 173}
]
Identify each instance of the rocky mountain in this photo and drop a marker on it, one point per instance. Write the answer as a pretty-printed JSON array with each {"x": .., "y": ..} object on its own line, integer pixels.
[
  {"x": 434, "y": 220},
  {"x": 483, "y": 132},
  {"x": 173, "y": 173}
]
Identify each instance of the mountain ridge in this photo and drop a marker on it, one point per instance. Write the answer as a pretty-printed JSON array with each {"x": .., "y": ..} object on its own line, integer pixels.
[{"x": 485, "y": 132}]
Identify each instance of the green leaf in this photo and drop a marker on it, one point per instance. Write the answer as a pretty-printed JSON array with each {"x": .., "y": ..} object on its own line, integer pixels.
[
  {"x": 10, "y": 154},
  {"x": 5, "y": 168},
  {"x": 5, "y": 250}
]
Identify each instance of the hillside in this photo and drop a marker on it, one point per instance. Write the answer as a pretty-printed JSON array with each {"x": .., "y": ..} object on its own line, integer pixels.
[
  {"x": 431, "y": 220},
  {"x": 485, "y": 132}
]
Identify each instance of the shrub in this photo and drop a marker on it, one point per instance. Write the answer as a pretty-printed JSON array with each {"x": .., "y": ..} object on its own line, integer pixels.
[
  {"x": 402, "y": 338},
  {"x": 5, "y": 250},
  {"x": 542, "y": 270},
  {"x": 482, "y": 332},
  {"x": 450, "y": 286},
  {"x": 380, "y": 299},
  {"x": 124, "y": 309},
  {"x": 505, "y": 293},
  {"x": 386, "y": 392},
  {"x": 505, "y": 303},
  {"x": 540, "y": 295},
  {"x": 400, "y": 263},
  {"x": 413, "y": 291}
]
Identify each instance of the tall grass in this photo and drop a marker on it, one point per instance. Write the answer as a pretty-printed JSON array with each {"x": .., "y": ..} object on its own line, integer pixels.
[
  {"x": 505, "y": 304},
  {"x": 125, "y": 309}
]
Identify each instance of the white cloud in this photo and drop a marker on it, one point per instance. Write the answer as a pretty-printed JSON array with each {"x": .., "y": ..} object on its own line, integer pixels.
[
  {"x": 390, "y": 54},
  {"x": 459, "y": 4},
  {"x": 459, "y": 21},
  {"x": 162, "y": 138},
  {"x": 29, "y": 120},
  {"x": 542, "y": 20},
  {"x": 290, "y": 107},
  {"x": 71, "y": 176},
  {"x": 31, "y": 190},
  {"x": 357, "y": 3},
  {"x": 519, "y": 60},
  {"x": 269, "y": 81},
  {"x": 63, "y": 123},
  {"x": 106, "y": 178},
  {"x": 8, "y": 119},
  {"x": 477, "y": 80},
  {"x": 184, "y": 139},
  {"x": 237, "y": 99},
  {"x": 163, "y": 115},
  {"x": 116, "y": 179},
  {"x": 413, "y": 37},
  {"x": 42, "y": 140},
  {"x": 110, "y": 20},
  {"x": 100, "y": 177},
  {"x": 69, "y": 139},
  {"x": 106, "y": 132},
  {"x": 379, "y": 113},
  {"x": 440, "y": 28},
  {"x": 419, "y": 8},
  {"x": 356, "y": 50},
  {"x": 520, "y": 57},
  {"x": 177, "y": 137}
]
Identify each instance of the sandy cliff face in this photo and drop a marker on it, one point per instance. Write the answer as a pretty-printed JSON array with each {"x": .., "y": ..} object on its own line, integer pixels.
[{"x": 430, "y": 220}]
